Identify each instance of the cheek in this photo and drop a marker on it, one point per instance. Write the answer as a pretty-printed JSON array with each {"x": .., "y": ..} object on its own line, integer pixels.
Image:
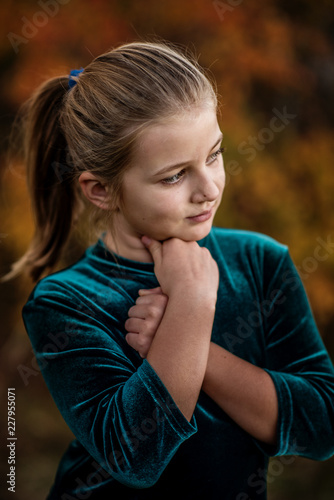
[
  {"x": 150, "y": 209},
  {"x": 165, "y": 202}
]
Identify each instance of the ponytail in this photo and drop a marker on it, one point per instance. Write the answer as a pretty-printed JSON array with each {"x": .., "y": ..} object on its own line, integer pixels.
[
  {"x": 49, "y": 177},
  {"x": 95, "y": 127}
]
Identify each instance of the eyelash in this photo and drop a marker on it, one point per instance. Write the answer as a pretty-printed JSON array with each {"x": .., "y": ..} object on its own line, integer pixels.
[
  {"x": 170, "y": 180},
  {"x": 217, "y": 153}
]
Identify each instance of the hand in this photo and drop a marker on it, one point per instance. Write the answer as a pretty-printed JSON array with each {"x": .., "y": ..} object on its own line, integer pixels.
[
  {"x": 184, "y": 267},
  {"x": 144, "y": 318}
]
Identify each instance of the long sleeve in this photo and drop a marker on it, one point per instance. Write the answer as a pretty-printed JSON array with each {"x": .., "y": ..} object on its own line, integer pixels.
[
  {"x": 119, "y": 410},
  {"x": 300, "y": 367},
  {"x": 122, "y": 415}
]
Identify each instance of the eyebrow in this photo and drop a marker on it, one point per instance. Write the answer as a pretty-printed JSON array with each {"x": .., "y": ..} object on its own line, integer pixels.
[{"x": 184, "y": 163}]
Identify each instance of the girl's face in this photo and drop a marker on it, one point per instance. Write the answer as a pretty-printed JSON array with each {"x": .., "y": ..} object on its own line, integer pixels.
[{"x": 175, "y": 185}]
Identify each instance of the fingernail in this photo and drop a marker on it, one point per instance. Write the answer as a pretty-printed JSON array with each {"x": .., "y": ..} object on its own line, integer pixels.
[{"x": 146, "y": 240}]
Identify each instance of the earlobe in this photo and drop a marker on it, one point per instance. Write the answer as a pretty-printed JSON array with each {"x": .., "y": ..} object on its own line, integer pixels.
[{"x": 94, "y": 190}]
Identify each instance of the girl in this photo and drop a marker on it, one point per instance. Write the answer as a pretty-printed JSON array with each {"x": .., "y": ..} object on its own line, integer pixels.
[{"x": 181, "y": 355}]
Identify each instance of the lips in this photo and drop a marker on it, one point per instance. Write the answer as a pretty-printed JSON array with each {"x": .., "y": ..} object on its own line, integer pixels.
[{"x": 202, "y": 217}]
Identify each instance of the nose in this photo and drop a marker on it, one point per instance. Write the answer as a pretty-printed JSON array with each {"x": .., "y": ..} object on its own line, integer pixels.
[{"x": 207, "y": 187}]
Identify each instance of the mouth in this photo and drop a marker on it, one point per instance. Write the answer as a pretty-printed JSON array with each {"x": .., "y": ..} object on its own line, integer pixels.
[{"x": 202, "y": 217}]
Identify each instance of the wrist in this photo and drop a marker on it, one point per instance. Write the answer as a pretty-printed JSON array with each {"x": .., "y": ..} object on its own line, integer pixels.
[{"x": 192, "y": 296}]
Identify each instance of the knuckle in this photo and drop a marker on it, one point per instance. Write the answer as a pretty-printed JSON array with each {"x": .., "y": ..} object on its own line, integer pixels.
[
  {"x": 152, "y": 308},
  {"x": 142, "y": 342},
  {"x": 159, "y": 302},
  {"x": 161, "y": 299},
  {"x": 155, "y": 312},
  {"x": 150, "y": 332}
]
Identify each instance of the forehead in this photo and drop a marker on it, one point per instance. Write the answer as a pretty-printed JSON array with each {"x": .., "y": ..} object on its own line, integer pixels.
[{"x": 188, "y": 130}]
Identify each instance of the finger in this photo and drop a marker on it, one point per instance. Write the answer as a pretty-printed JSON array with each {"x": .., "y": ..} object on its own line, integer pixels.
[
  {"x": 138, "y": 343},
  {"x": 138, "y": 311},
  {"x": 149, "y": 291},
  {"x": 154, "y": 247},
  {"x": 150, "y": 300},
  {"x": 149, "y": 306},
  {"x": 134, "y": 325},
  {"x": 132, "y": 339}
]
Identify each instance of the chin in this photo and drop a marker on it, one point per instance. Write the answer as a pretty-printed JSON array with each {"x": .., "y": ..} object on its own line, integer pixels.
[
  {"x": 203, "y": 233},
  {"x": 196, "y": 233}
]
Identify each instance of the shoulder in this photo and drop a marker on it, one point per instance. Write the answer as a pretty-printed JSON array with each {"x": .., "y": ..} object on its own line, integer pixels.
[
  {"x": 238, "y": 241},
  {"x": 93, "y": 283},
  {"x": 68, "y": 282},
  {"x": 250, "y": 257},
  {"x": 248, "y": 253}
]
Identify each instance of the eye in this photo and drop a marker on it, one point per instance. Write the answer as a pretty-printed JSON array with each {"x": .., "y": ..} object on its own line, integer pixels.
[
  {"x": 215, "y": 155},
  {"x": 174, "y": 179}
]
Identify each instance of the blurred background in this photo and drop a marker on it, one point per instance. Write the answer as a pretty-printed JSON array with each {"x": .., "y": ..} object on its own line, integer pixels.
[{"x": 274, "y": 64}]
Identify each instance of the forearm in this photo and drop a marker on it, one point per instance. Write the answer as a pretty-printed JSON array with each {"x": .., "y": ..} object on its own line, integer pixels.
[
  {"x": 244, "y": 391},
  {"x": 180, "y": 348}
]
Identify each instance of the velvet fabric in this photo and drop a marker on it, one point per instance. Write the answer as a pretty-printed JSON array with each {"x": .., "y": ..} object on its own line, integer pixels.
[{"x": 132, "y": 441}]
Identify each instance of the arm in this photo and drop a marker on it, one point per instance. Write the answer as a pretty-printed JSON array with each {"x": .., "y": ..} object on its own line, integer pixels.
[
  {"x": 300, "y": 367},
  {"x": 189, "y": 277},
  {"x": 244, "y": 391},
  {"x": 115, "y": 404},
  {"x": 120, "y": 408},
  {"x": 294, "y": 392},
  {"x": 230, "y": 381}
]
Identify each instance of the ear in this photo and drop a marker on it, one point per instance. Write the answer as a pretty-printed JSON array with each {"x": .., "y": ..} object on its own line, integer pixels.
[{"x": 95, "y": 191}]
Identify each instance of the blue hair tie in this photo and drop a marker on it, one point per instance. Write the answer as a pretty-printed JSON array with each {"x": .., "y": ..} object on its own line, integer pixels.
[{"x": 74, "y": 73}]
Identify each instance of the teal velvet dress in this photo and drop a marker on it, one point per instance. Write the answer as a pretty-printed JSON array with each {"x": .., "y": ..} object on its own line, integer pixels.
[{"x": 132, "y": 441}]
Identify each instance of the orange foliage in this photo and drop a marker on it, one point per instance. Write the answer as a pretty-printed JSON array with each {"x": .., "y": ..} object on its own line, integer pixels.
[{"x": 266, "y": 55}]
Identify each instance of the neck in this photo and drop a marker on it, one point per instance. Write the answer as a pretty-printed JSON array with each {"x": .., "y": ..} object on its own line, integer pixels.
[{"x": 128, "y": 246}]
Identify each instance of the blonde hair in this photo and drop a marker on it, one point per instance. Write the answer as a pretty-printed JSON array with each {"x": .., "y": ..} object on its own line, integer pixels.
[{"x": 94, "y": 127}]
